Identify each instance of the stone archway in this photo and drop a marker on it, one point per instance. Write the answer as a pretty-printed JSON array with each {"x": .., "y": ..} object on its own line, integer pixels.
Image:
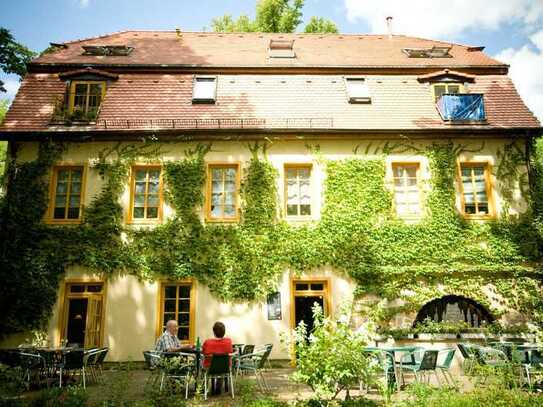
[{"x": 453, "y": 308}]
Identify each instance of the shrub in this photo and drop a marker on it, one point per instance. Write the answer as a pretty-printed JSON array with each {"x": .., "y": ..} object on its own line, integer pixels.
[
  {"x": 72, "y": 396},
  {"x": 331, "y": 358}
]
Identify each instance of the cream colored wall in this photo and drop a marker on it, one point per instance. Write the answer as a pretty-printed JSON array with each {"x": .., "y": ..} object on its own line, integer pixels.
[{"x": 131, "y": 306}]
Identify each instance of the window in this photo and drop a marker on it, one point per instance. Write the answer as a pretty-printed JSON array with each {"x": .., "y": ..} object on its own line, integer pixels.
[
  {"x": 85, "y": 99},
  {"x": 177, "y": 303},
  {"x": 222, "y": 196},
  {"x": 434, "y": 52},
  {"x": 406, "y": 189},
  {"x": 439, "y": 89},
  {"x": 281, "y": 49},
  {"x": 475, "y": 189},
  {"x": 357, "y": 90},
  {"x": 204, "y": 89},
  {"x": 67, "y": 194},
  {"x": 146, "y": 194},
  {"x": 298, "y": 190}
]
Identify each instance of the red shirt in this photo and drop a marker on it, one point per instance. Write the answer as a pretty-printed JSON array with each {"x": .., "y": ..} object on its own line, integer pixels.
[{"x": 216, "y": 346}]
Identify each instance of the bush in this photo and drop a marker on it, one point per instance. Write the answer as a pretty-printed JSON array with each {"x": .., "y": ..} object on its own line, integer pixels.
[
  {"x": 72, "y": 396},
  {"x": 331, "y": 358},
  {"x": 495, "y": 396}
]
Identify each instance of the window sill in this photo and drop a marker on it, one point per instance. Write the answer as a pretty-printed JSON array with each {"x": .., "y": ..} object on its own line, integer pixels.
[
  {"x": 63, "y": 221},
  {"x": 144, "y": 222},
  {"x": 478, "y": 217},
  {"x": 222, "y": 220},
  {"x": 203, "y": 101}
]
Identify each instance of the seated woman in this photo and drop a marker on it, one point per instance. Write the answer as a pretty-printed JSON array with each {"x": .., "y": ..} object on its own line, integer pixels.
[{"x": 216, "y": 346}]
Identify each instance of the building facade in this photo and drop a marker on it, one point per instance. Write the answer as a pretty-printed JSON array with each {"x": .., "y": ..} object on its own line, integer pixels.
[{"x": 245, "y": 177}]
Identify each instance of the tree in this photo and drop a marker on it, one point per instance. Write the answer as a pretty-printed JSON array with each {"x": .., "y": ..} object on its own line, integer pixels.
[
  {"x": 320, "y": 25},
  {"x": 273, "y": 16},
  {"x": 13, "y": 56},
  {"x": 4, "y": 104}
]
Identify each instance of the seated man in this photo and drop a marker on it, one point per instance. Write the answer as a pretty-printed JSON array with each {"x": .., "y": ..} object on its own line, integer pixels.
[
  {"x": 168, "y": 341},
  {"x": 216, "y": 346}
]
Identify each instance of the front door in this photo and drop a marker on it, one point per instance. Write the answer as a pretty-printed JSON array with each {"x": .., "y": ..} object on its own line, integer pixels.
[
  {"x": 307, "y": 294},
  {"x": 83, "y": 313}
]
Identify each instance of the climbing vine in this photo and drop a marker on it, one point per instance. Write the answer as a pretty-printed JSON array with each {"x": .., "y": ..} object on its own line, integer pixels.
[{"x": 496, "y": 263}]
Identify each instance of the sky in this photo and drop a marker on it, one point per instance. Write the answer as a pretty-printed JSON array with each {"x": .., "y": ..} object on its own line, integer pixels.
[{"x": 511, "y": 30}]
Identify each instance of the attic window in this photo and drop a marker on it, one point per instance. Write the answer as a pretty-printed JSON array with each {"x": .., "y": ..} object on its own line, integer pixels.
[
  {"x": 281, "y": 49},
  {"x": 357, "y": 90},
  {"x": 107, "y": 50},
  {"x": 434, "y": 52},
  {"x": 204, "y": 89}
]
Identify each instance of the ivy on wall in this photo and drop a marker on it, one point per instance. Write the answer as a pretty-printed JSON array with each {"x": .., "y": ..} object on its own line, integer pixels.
[{"x": 358, "y": 235}]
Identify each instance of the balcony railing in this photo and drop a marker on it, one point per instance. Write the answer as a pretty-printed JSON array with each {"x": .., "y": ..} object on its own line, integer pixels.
[{"x": 462, "y": 107}]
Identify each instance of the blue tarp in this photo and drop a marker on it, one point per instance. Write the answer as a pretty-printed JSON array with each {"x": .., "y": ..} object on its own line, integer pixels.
[{"x": 462, "y": 107}]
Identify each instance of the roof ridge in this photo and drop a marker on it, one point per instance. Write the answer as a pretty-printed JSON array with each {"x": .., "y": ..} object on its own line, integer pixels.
[{"x": 96, "y": 37}]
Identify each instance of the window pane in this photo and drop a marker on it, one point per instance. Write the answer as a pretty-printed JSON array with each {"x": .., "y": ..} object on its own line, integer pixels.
[
  {"x": 170, "y": 291},
  {"x": 62, "y": 187},
  {"x": 453, "y": 89},
  {"x": 305, "y": 210},
  {"x": 74, "y": 201},
  {"x": 94, "y": 288},
  {"x": 216, "y": 174},
  {"x": 357, "y": 88},
  {"x": 184, "y": 292},
  {"x": 229, "y": 198},
  {"x": 152, "y": 213},
  {"x": 317, "y": 286},
  {"x": 183, "y": 319},
  {"x": 139, "y": 200},
  {"x": 77, "y": 288},
  {"x": 230, "y": 174},
  {"x": 169, "y": 305},
  {"x": 439, "y": 90},
  {"x": 183, "y": 334},
  {"x": 302, "y": 286},
  {"x": 470, "y": 209},
  {"x": 60, "y": 201},
  {"x": 138, "y": 213},
  {"x": 292, "y": 210},
  {"x": 483, "y": 208},
  {"x": 141, "y": 175},
  {"x": 59, "y": 213},
  {"x": 204, "y": 88},
  {"x": 229, "y": 211},
  {"x": 152, "y": 200},
  {"x": 73, "y": 213}
]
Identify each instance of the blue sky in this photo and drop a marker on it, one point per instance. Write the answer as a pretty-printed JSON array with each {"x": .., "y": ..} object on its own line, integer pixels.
[{"x": 510, "y": 29}]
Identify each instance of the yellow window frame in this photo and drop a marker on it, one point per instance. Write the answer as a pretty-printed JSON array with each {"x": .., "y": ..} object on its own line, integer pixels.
[
  {"x": 161, "y": 305},
  {"x": 461, "y": 88},
  {"x": 73, "y": 84},
  {"x": 419, "y": 188},
  {"x": 488, "y": 189},
  {"x": 308, "y": 166},
  {"x": 130, "y": 216},
  {"x": 49, "y": 218},
  {"x": 209, "y": 192}
]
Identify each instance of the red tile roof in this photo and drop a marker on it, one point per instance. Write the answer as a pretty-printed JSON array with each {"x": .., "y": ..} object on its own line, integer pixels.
[
  {"x": 164, "y": 101},
  {"x": 199, "y": 49}
]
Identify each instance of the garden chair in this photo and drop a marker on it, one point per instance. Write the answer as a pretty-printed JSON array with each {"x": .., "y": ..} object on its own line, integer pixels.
[
  {"x": 34, "y": 368},
  {"x": 152, "y": 362},
  {"x": 268, "y": 348},
  {"x": 534, "y": 366},
  {"x": 254, "y": 364},
  {"x": 444, "y": 365},
  {"x": 99, "y": 362},
  {"x": 248, "y": 349},
  {"x": 219, "y": 368},
  {"x": 72, "y": 362},
  {"x": 425, "y": 362},
  {"x": 384, "y": 362},
  {"x": 178, "y": 368}
]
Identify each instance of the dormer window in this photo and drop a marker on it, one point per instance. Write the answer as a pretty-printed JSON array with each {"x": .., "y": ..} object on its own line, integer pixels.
[
  {"x": 434, "y": 52},
  {"x": 357, "y": 90},
  {"x": 442, "y": 88},
  {"x": 281, "y": 49},
  {"x": 204, "y": 89},
  {"x": 107, "y": 50},
  {"x": 85, "y": 99}
]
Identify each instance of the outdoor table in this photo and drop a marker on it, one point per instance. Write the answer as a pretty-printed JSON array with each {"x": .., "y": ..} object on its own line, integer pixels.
[
  {"x": 393, "y": 351},
  {"x": 197, "y": 353}
]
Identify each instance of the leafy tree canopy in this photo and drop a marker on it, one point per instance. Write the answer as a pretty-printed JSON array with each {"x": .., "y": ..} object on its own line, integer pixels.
[
  {"x": 320, "y": 25},
  {"x": 273, "y": 16},
  {"x": 13, "y": 56}
]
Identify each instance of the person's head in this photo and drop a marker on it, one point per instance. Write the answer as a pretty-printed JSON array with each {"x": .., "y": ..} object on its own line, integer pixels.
[
  {"x": 171, "y": 326},
  {"x": 219, "y": 330}
]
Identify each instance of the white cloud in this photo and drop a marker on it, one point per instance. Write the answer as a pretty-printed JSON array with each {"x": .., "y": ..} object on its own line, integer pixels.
[
  {"x": 84, "y": 3},
  {"x": 442, "y": 19},
  {"x": 527, "y": 70}
]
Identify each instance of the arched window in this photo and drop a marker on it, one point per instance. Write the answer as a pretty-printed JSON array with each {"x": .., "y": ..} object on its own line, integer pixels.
[{"x": 453, "y": 308}]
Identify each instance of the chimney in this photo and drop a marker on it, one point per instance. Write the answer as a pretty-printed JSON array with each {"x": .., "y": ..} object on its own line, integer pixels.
[
  {"x": 178, "y": 33},
  {"x": 389, "y": 26}
]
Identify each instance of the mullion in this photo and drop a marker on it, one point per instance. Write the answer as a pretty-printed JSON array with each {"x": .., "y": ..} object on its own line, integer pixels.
[
  {"x": 146, "y": 193},
  {"x": 299, "y": 203},
  {"x": 68, "y": 190},
  {"x": 472, "y": 174},
  {"x": 223, "y": 189}
]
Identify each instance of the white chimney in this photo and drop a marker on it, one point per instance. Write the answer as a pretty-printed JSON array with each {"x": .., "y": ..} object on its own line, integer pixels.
[{"x": 389, "y": 26}]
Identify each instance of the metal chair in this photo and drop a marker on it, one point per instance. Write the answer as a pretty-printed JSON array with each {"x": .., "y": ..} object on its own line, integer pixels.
[
  {"x": 220, "y": 367},
  {"x": 183, "y": 371},
  {"x": 425, "y": 363},
  {"x": 254, "y": 363},
  {"x": 33, "y": 367},
  {"x": 73, "y": 362},
  {"x": 445, "y": 365},
  {"x": 248, "y": 349}
]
